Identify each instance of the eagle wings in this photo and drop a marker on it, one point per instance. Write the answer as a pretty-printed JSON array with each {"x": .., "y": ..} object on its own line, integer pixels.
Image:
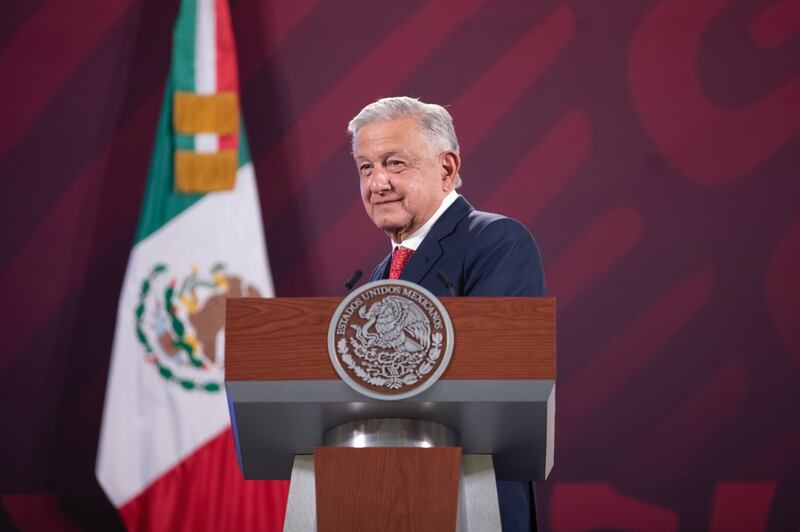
[{"x": 399, "y": 324}]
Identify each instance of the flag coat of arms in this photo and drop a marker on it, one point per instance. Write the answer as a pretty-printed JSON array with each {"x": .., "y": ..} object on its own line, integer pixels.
[{"x": 165, "y": 456}]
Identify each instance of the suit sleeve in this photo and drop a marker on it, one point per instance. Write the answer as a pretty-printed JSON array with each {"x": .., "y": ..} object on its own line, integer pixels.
[{"x": 504, "y": 260}]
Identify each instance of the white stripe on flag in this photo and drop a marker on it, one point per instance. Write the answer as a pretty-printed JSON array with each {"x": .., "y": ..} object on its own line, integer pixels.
[
  {"x": 205, "y": 51},
  {"x": 205, "y": 66},
  {"x": 206, "y": 143}
]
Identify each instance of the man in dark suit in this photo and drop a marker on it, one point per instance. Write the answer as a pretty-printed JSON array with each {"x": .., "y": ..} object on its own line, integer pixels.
[{"x": 407, "y": 156}]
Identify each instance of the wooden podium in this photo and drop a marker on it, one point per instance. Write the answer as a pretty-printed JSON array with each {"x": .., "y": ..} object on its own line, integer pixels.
[{"x": 293, "y": 417}]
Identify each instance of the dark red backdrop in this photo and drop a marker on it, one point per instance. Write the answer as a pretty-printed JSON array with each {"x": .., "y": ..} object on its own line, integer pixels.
[{"x": 650, "y": 146}]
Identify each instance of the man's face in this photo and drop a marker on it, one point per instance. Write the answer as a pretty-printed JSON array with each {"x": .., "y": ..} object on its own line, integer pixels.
[{"x": 402, "y": 181}]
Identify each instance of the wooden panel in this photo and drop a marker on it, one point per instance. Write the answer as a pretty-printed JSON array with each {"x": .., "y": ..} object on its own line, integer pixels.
[
  {"x": 280, "y": 338},
  {"x": 496, "y": 338},
  {"x": 502, "y": 338},
  {"x": 394, "y": 489}
]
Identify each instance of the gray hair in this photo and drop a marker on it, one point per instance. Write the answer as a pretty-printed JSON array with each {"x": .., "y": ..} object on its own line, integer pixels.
[{"x": 435, "y": 121}]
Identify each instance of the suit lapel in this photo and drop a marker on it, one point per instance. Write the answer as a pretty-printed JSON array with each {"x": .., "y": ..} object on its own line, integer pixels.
[
  {"x": 382, "y": 271},
  {"x": 429, "y": 252}
]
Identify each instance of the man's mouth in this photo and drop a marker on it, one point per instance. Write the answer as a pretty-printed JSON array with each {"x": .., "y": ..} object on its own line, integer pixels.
[{"x": 386, "y": 202}]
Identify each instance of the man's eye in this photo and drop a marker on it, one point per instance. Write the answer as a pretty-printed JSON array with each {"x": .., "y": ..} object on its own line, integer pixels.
[
  {"x": 363, "y": 168},
  {"x": 394, "y": 162}
]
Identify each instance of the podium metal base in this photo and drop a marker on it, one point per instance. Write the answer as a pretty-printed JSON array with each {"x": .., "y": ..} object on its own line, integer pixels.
[{"x": 391, "y": 432}]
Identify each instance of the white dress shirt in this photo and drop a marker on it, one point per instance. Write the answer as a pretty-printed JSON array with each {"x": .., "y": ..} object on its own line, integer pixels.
[{"x": 413, "y": 241}]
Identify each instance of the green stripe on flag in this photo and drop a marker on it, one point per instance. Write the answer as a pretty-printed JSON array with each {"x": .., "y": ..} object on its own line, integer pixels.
[
  {"x": 184, "y": 142},
  {"x": 183, "y": 47},
  {"x": 244, "y": 147}
]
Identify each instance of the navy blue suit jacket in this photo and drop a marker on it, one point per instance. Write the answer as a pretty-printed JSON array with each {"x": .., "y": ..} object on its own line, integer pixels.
[{"x": 484, "y": 254}]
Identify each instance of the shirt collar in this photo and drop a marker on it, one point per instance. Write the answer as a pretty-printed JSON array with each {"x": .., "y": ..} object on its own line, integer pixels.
[{"x": 413, "y": 241}]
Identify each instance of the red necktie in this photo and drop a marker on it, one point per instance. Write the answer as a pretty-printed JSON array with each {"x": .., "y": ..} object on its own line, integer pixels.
[{"x": 400, "y": 258}]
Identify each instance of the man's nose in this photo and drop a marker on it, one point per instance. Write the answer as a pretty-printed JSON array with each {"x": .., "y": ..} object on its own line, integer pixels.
[{"x": 379, "y": 181}]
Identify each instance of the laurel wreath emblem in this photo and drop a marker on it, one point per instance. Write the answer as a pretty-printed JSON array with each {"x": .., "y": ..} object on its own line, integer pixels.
[
  {"x": 392, "y": 369},
  {"x": 178, "y": 334}
]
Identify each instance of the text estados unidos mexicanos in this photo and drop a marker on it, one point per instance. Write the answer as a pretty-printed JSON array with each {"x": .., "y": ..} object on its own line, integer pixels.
[{"x": 424, "y": 302}]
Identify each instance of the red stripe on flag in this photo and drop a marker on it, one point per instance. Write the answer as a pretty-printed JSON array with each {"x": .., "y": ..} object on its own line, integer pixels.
[
  {"x": 206, "y": 491},
  {"x": 228, "y": 142},
  {"x": 227, "y": 77},
  {"x": 227, "y": 74}
]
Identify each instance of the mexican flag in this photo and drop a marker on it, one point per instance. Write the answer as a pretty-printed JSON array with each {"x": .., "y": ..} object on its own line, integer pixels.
[{"x": 166, "y": 457}]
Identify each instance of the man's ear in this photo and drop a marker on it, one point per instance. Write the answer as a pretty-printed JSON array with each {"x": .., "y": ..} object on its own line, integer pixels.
[{"x": 450, "y": 164}]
